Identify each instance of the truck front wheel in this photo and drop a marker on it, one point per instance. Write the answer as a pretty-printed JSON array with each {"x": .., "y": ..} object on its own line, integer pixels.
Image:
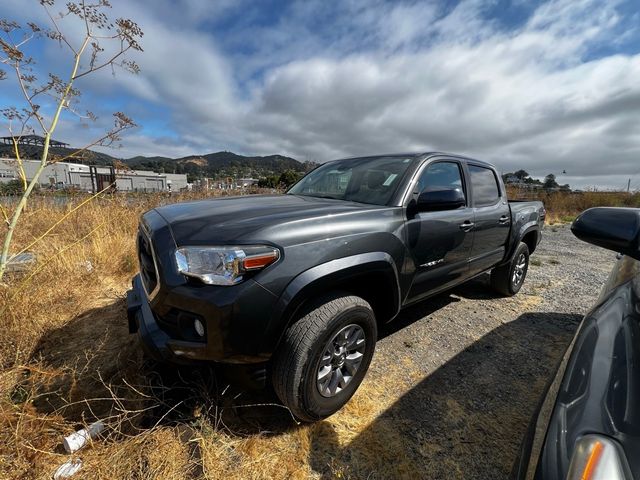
[
  {"x": 324, "y": 356},
  {"x": 508, "y": 279}
]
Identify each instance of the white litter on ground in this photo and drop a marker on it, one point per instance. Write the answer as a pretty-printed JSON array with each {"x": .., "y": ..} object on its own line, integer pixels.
[
  {"x": 21, "y": 262},
  {"x": 67, "y": 469},
  {"x": 79, "y": 439}
]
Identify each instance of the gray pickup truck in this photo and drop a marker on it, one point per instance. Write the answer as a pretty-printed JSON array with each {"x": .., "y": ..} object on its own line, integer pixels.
[{"x": 296, "y": 285}]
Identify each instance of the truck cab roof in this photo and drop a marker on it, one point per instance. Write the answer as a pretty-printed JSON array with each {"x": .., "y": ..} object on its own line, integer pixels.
[{"x": 421, "y": 156}]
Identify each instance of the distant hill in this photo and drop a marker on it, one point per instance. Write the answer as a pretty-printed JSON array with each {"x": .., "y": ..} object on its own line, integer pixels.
[
  {"x": 87, "y": 157},
  {"x": 218, "y": 164}
]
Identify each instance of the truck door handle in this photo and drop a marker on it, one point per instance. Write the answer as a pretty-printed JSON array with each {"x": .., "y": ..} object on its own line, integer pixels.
[
  {"x": 467, "y": 225},
  {"x": 503, "y": 219}
]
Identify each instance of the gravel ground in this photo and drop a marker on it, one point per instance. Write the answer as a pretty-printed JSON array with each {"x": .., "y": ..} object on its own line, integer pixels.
[
  {"x": 474, "y": 366},
  {"x": 457, "y": 377}
]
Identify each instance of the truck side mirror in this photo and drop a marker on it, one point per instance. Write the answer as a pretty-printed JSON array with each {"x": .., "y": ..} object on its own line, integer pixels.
[
  {"x": 441, "y": 199},
  {"x": 615, "y": 229}
]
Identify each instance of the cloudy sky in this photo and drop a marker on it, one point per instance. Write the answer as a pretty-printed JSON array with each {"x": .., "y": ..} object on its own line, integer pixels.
[{"x": 547, "y": 86}]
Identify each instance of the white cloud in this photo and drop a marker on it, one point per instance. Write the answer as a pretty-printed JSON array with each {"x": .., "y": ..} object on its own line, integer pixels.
[
  {"x": 519, "y": 98},
  {"x": 383, "y": 77}
]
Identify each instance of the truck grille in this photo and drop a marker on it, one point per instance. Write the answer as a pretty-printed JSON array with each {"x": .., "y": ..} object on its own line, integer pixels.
[{"x": 148, "y": 272}]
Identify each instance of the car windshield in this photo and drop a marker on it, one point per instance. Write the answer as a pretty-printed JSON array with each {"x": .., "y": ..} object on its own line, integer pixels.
[{"x": 366, "y": 180}]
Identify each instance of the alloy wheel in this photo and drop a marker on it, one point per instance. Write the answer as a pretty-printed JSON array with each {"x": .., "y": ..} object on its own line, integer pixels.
[
  {"x": 341, "y": 359},
  {"x": 519, "y": 270}
]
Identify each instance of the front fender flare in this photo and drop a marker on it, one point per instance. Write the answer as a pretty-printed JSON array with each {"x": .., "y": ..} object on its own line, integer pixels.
[{"x": 321, "y": 278}]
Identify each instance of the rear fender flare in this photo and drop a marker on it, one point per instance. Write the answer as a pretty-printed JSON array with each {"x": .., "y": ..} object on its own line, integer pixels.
[{"x": 524, "y": 230}]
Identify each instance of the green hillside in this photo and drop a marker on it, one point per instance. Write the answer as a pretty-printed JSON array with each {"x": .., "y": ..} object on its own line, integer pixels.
[
  {"x": 34, "y": 152},
  {"x": 213, "y": 165},
  {"x": 221, "y": 164}
]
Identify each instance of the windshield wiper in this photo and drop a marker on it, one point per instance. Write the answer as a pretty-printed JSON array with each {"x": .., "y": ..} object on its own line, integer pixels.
[
  {"x": 326, "y": 196},
  {"x": 316, "y": 196}
]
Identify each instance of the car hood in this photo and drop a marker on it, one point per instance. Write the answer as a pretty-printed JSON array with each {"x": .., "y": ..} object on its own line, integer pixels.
[{"x": 267, "y": 218}]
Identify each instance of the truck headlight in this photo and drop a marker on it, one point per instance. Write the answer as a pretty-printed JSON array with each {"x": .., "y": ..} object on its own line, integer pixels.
[
  {"x": 598, "y": 458},
  {"x": 224, "y": 265}
]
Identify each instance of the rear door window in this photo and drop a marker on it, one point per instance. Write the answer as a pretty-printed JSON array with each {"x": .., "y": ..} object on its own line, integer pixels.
[{"x": 485, "y": 186}]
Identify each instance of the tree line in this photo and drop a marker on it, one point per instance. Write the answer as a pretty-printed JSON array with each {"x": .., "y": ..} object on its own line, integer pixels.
[{"x": 522, "y": 177}]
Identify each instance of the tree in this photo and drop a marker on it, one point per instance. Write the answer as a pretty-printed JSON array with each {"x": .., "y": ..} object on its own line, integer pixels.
[
  {"x": 550, "y": 181},
  {"x": 289, "y": 177},
  {"x": 270, "y": 181},
  {"x": 101, "y": 44},
  {"x": 532, "y": 181},
  {"x": 12, "y": 187},
  {"x": 521, "y": 174}
]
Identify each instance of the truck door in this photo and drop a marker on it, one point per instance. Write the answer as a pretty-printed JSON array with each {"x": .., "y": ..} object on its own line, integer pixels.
[
  {"x": 492, "y": 218},
  {"x": 439, "y": 241}
]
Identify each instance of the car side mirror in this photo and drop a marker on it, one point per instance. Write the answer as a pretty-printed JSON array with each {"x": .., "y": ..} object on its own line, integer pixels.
[
  {"x": 615, "y": 229},
  {"x": 442, "y": 199}
]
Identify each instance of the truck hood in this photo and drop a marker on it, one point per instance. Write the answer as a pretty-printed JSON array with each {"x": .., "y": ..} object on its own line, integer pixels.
[{"x": 270, "y": 218}]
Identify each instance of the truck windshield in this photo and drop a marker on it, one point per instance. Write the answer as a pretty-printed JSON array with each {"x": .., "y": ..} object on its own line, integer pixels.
[{"x": 366, "y": 180}]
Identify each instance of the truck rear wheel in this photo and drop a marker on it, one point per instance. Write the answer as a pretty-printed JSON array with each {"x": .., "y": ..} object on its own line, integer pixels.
[
  {"x": 324, "y": 356},
  {"x": 508, "y": 279}
]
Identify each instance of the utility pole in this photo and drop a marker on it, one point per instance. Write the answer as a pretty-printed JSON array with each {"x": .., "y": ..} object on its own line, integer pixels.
[{"x": 628, "y": 185}]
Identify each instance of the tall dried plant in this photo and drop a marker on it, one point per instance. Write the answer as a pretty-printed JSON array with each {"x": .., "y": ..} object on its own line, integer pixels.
[{"x": 102, "y": 44}]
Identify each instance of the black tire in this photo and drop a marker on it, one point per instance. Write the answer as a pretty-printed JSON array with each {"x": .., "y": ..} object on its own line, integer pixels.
[
  {"x": 504, "y": 279},
  {"x": 297, "y": 362}
]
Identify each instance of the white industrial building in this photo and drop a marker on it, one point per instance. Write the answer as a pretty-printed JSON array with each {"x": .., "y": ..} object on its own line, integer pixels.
[{"x": 93, "y": 178}]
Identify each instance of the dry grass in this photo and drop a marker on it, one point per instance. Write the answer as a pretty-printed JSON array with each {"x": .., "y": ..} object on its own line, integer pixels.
[
  {"x": 66, "y": 359},
  {"x": 564, "y": 207}
]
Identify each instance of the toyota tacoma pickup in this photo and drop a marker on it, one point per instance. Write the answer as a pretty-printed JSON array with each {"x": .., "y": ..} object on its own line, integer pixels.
[{"x": 297, "y": 285}]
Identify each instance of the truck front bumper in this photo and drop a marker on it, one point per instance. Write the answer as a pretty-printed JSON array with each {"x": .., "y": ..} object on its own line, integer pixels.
[
  {"x": 231, "y": 334},
  {"x": 156, "y": 343}
]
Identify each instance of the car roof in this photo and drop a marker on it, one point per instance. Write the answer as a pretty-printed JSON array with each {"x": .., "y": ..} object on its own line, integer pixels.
[{"x": 420, "y": 155}]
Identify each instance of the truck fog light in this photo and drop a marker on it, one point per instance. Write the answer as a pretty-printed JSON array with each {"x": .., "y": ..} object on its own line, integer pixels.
[{"x": 199, "y": 327}]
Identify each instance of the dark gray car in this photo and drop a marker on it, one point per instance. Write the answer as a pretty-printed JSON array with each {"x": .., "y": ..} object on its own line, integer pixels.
[
  {"x": 588, "y": 426},
  {"x": 296, "y": 285}
]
